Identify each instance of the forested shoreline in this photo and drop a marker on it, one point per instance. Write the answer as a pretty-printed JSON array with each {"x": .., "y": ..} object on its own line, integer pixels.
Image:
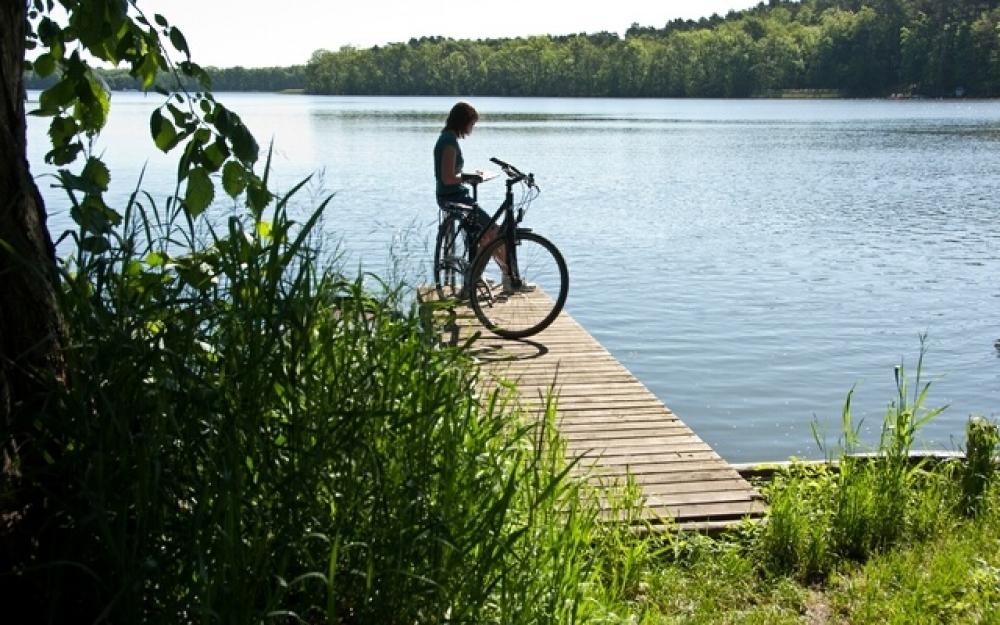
[
  {"x": 289, "y": 78},
  {"x": 853, "y": 48},
  {"x": 860, "y": 48}
]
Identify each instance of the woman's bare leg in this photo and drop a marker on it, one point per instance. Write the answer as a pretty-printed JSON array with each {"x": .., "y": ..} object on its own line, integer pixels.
[{"x": 500, "y": 255}]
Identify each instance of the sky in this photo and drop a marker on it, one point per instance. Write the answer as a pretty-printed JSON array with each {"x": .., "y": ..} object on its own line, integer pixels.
[{"x": 259, "y": 33}]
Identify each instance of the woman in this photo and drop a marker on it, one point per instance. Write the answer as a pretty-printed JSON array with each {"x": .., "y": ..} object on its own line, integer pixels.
[{"x": 448, "y": 163}]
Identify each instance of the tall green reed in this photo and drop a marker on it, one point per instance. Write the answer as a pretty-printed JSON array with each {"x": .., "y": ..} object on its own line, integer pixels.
[
  {"x": 980, "y": 468},
  {"x": 248, "y": 436},
  {"x": 869, "y": 502},
  {"x": 876, "y": 497}
]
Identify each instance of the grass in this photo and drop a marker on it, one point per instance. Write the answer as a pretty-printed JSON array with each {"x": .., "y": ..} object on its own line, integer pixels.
[
  {"x": 250, "y": 436},
  {"x": 953, "y": 578},
  {"x": 882, "y": 538},
  {"x": 950, "y": 577},
  {"x": 819, "y": 517}
]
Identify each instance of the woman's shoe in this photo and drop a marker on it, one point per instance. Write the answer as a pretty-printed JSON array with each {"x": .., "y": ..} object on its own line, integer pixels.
[{"x": 510, "y": 289}]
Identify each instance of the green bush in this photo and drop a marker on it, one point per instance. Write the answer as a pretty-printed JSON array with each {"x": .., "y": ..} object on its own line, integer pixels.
[
  {"x": 867, "y": 504},
  {"x": 980, "y": 468},
  {"x": 248, "y": 436}
]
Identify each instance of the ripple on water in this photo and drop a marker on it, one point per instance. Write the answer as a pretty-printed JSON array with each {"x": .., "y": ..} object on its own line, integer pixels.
[{"x": 749, "y": 261}]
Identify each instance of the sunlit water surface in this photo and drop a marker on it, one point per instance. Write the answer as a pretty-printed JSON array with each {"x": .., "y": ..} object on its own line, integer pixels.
[{"x": 750, "y": 261}]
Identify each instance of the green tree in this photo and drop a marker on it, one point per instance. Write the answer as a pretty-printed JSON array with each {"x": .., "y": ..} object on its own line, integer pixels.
[
  {"x": 916, "y": 40},
  {"x": 985, "y": 31},
  {"x": 858, "y": 47},
  {"x": 212, "y": 141}
]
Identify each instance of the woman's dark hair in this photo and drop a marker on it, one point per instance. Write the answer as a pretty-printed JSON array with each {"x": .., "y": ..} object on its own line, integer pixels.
[{"x": 459, "y": 117}]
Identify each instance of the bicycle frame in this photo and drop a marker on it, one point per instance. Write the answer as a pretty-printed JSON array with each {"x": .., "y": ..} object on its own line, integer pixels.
[{"x": 508, "y": 229}]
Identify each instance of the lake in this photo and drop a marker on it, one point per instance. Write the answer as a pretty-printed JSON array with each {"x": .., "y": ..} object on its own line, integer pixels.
[{"x": 750, "y": 261}]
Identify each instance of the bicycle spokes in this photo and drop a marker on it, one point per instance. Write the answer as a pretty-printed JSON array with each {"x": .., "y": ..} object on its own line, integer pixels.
[{"x": 518, "y": 306}]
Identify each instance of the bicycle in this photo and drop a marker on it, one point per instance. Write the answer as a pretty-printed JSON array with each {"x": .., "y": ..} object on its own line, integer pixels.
[{"x": 505, "y": 280}]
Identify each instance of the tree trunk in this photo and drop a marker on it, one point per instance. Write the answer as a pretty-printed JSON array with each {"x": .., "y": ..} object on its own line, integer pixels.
[{"x": 31, "y": 325}]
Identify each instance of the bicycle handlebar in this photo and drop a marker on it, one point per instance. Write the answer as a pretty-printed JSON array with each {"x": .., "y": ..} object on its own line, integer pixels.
[{"x": 515, "y": 174}]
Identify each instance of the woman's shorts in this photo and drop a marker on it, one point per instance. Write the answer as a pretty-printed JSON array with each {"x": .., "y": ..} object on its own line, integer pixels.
[{"x": 479, "y": 216}]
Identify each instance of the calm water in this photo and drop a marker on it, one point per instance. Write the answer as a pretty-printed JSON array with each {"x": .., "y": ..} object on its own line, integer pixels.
[{"x": 749, "y": 261}]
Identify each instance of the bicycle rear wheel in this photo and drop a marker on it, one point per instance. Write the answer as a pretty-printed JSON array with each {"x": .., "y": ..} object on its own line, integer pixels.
[
  {"x": 540, "y": 285},
  {"x": 450, "y": 258}
]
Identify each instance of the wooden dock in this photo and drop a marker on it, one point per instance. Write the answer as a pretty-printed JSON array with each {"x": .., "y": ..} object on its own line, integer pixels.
[{"x": 611, "y": 421}]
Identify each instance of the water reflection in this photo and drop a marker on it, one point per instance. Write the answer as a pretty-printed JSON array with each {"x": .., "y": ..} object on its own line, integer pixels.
[{"x": 749, "y": 261}]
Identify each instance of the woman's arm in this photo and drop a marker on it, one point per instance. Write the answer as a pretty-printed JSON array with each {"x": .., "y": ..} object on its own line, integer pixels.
[{"x": 448, "y": 160}]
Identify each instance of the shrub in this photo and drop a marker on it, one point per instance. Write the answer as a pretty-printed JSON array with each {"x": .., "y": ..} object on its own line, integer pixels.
[
  {"x": 247, "y": 434},
  {"x": 869, "y": 503},
  {"x": 979, "y": 470}
]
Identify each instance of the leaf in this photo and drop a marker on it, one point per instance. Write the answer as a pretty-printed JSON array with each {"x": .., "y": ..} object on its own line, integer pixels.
[
  {"x": 200, "y": 192},
  {"x": 201, "y": 136},
  {"x": 216, "y": 154},
  {"x": 96, "y": 173},
  {"x": 164, "y": 133},
  {"x": 94, "y": 216},
  {"x": 93, "y": 103},
  {"x": 179, "y": 42},
  {"x": 44, "y": 65},
  {"x": 155, "y": 259},
  {"x": 180, "y": 117},
  {"x": 258, "y": 196},
  {"x": 62, "y": 129},
  {"x": 49, "y": 32},
  {"x": 95, "y": 244},
  {"x": 146, "y": 70},
  {"x": 264, "y": 229},
  {"x": 223, "y": 120},
  {"x": 59, "y": 95},
  {"x": 190, "y": 157},
  {"x": 65, "y": 154},
  {"x": 244, "y": 145},
  {"x": 234, "y": 179},
  {"x": 159, "y": 19},
  {"x": 195, "y": 71}
]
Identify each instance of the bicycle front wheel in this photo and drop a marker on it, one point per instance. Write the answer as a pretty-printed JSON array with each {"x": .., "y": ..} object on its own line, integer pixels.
[
  {"x": 530, "y": 296},
  {"x": 450, "y": 258}
]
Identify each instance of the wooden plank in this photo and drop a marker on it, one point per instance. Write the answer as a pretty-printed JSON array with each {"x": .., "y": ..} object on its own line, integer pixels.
[
  {"x": 702, "y": 486},
  {"x": 738, "y": 497},
  {"x": 734, "y": 510},
  {"x": 622, "y": 446},
  {"x": 696, "y": 512},
  {"x": 680, "y": 466},
  {"x": 669, "y": 430},
  {"x": 658, "y": 459},
  {"x": 610, "y": 422},
  {"x": 666, "y": 480},
  {"x": 581, "y": 417},
  {"x": 642, "y": 429},
  {"x": 528, "y": 382},
  {"x": 577, "y": 392},
  {"x": 577, "y": 385}
]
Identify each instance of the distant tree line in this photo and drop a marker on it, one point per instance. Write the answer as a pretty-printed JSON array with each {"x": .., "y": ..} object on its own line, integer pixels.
[
  {"x": 223, "y": 79},
  {"x": 851, "y": 47},
  {"x": 854, "y": 47}
]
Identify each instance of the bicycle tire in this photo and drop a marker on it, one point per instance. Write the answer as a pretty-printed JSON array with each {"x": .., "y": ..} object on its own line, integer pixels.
[
  {"x": 524, "y": 312},
  {"x": 450, "y": 258}
]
